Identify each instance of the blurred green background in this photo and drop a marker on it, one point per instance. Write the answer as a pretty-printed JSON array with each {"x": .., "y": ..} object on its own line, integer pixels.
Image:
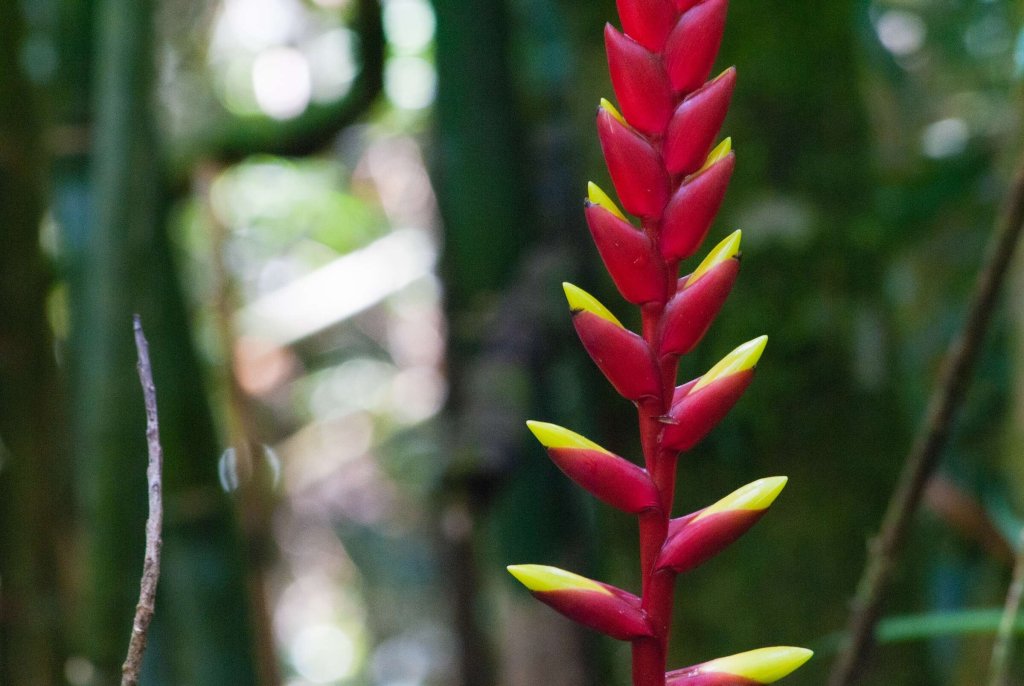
[{"x": 345, "y": 223}]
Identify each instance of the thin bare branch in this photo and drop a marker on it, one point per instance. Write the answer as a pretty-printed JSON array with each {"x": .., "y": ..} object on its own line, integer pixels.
[
  {"x": 154, "y": 523},
  {"x": 931, "y": 438}
]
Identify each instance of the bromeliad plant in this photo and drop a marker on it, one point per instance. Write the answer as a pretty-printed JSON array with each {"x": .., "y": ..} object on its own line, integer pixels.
[{"x": 661, "y": 161}]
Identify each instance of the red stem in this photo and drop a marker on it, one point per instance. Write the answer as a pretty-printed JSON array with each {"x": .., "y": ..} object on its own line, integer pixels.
[{"x": 649, "y": 654}]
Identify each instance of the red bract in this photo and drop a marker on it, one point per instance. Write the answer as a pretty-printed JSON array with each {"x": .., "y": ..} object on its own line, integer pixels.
[
  {"x": 754, "y": 667},
  {"x": 691, "y": 310},
  {"x": 648, "y": 22},
  {"x": 639, "y": 81},
  {"x": 624, "y": 357},
  {"x": 634, "y": 165},
  {"x": 629, "y": 255},
  {"x": 693, "y": 44},
  {"x": 696, "y": 122},
  {"x": 615, "y": 615},
  {"x": 693, "y": 415},
  {"x": 704, "y": 538},
  {"x": 692, "y": 209},
  {"x": 661, "y": 161},
  {"x": 606, "y": 476}
]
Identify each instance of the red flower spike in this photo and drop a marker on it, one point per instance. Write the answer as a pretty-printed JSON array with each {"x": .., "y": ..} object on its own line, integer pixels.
[
  {"x": 648, "y": 22},
  {"x": 754, "y": 667},
  {"x": 640, "y": 82},
  {"x": 695, "y": 124},
  {"x": 663, "y": 172},
  {"x": 624, "y": 357},
  {"x": 700, "y": 296},
  {"x": 629, "y": 255},
  {"x": 712, "y": 529},
  {"x": 635, "y": 166},
  {"x": 607, "y": 476},
  {"x": 692, "y": 209},
  {"x": 692, "y": 46},
  {"x": 599, "y": 606}
]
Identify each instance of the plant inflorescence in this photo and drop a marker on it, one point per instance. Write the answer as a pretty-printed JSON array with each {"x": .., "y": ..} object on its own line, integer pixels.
[{"x": 668, "y": 172}]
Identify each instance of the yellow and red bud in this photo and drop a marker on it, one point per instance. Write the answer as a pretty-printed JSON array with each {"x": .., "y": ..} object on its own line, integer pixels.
[
  {"x": 695, "y": 124},
  {"x": 648, "y": 22},
  {"x": 697, "y": 406},
  {"x": 741, "y": 359},
  {"x": 754, "y": 667},
  {"x": 701, "y": 295},
  {"x": 640, "y": 83},
  {"x": 581, "y": 301},
  {"x": 693, "y": 207},
  {"x": 605, "y": 105},
  {"x": 629, "y": 255},
  {"x": 607, "y": 476},
  {"x": 599, "y": 606},
  {"x": 635, "y": 166},
  {"x": 623, "y": 357},
  {"x": 726, "y": 250},
  {"x": 596, "y": 196},
  {"x": 692, "y": 46},
  {"x": 717, "y": 153},
  {"x": 706, "y": 533}
]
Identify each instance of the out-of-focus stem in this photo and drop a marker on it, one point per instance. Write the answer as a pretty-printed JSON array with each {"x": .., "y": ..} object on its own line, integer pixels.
[
  {"x": 931, "y": 438},
  {"x": 999, "y": 670}
]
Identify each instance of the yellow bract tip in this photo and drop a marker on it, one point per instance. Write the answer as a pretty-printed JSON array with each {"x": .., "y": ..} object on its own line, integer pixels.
[
  {"x": 740, "y": 359},
  {"x": 725, "y": 250},
  {"x": 717, "y": 153},
  {"x": 580, "y": 300},
  {"x": 607, "y": 105},
  {"x": 599, "y": 197},
  {"x": 554, "y": 436},
  {"x": 764, "y": 665},
  {"x": 541, "y": 578},
  {"x": 758, "y": 495}
]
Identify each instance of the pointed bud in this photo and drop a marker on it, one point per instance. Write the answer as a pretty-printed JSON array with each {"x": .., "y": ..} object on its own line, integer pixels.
[
  {"x": 761, "y": 666},
  {"x": 741, "y": 359},
  {"x": 714, "y": 528},
  {"x": 635, "y": 167},
  {"x": 640, "y": 82},
  {"x": 696, "y": 122},
  {"x": 693, "y": 207},
  {"x": 606, "y": 105},
  {"x": 700, "y": 404},
  {"x": 717, "y": 153},
  {"x": 648, "y": 22},
  {"x": 581, "y": 301},
  {"x": 604, "y": 608},
  {"x": 695, "y": 305},
  {"x": 726, "y": 250},
  {"x": 692, "y": 46},
  {"x": 598, "y": 197},
  {"x": 607, "y": 476},
  {"x": 629, "y": 255},
  {"x": 623, "y": 357}
]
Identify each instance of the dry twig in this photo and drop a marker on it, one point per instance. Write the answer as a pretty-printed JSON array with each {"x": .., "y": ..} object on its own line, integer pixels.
[
  {"x": 930, "y": 440},
  {"x": 154, "y": 523}
]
